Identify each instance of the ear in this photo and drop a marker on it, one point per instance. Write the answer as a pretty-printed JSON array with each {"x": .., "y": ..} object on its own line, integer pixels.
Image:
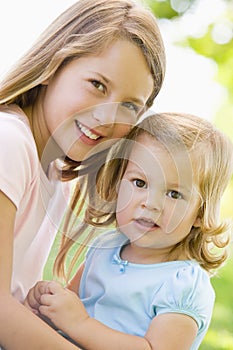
[
  {"x": 197, "y": 222},
  {"x": 45, "y": 82}
]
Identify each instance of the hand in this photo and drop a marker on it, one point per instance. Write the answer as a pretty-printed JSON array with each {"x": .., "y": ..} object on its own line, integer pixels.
[
  {"x": 63, "y": 307},
  {"x": 32, "y": 301}
]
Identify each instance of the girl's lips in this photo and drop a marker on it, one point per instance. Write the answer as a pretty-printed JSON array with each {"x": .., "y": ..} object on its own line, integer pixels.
[
  {"x": 88, "y": 135},
  {"x": 88, "y": 132}
]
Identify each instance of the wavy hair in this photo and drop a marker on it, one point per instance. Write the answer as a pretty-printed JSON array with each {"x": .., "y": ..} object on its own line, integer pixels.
[
  {"x": 86, "y": 28},
  {"x": 211, "y": 154}
]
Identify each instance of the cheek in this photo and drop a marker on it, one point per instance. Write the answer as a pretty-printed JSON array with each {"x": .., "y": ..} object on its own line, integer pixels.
[
  {"x": 125, "y": 195},
  {"x": 61, "y": 103},
  {"x": 179, "y": 217}
]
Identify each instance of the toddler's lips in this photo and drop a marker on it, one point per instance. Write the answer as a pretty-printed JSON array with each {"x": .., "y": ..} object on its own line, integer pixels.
[{"x": 146, "y": 222}]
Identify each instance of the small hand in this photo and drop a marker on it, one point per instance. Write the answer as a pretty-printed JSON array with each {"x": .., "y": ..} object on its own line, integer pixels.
[
  {"x": 32, "y": 301},
  {"x": 63, "y": 307}
]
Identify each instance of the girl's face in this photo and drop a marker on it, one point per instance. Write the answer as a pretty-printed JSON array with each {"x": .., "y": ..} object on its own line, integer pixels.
[
  {"x": 157, "y": 200},
  {"x": 94, "y": 99}
]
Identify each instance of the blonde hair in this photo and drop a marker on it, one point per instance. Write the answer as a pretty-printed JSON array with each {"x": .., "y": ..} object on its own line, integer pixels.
[
  {"x": 86, "y": 28},
  {"x": 212, "y": 154}
]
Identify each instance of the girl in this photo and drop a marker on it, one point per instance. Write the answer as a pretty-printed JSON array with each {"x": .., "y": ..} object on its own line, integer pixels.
[
  {"x": 146, "y": 284},
  {"x": 105, "y": 52}
]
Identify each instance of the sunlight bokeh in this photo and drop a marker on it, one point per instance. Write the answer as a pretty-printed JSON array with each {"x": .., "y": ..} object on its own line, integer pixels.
[{"x": 189, "y": 76}]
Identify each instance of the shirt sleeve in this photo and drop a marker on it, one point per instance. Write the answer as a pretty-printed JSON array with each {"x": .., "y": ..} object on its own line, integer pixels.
[
  {"x": 18, "y": 158},
  {"x": 189, "y": 292}
]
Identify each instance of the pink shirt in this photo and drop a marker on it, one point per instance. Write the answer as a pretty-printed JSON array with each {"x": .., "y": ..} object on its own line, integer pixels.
[{"x": 40, "y": 200}]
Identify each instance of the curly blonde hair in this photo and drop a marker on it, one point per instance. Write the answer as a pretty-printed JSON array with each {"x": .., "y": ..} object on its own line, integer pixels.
[{"x": 212, "y": 157}]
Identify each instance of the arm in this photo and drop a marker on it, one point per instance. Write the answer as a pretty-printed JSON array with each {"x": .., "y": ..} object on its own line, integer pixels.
[
  {"x": 172, "y": 331},
  {"x": 18, "y": 326},
  {"x": 65, "y": 309}
]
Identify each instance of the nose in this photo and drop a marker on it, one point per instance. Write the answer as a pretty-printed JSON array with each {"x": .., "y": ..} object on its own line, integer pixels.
[
  {"x": 153, "y": 201},
  {"x": 105, "y": 114}
]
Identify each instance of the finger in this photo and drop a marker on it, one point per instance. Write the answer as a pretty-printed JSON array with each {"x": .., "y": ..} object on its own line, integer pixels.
[
  {"x": 54, "y": 287},
  {"x": 28, "y": 304},
  {"x": 46, "y": 299},
  {"x": 31, "y": 307},
  {"x": 35, "y": 293},
  {"x": 45, "y": 311},
  {"x": 42, "y": 287},
  {"x": 31, "y": 299}
]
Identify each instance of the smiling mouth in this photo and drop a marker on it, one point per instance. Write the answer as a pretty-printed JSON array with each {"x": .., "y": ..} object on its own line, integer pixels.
[{"x": 87, "y": 132}]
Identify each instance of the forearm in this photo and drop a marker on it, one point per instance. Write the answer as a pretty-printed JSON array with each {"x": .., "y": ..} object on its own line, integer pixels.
[
  {"x": 94, "y": 335},
  {"x": 20, "y": 329}
]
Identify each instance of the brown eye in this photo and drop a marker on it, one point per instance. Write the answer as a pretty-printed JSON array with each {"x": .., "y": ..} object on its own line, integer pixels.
[
  {"x": 174, "y": 194},
  {"x": 139, "y": 183},
  {"x": 98, "y": 85}
]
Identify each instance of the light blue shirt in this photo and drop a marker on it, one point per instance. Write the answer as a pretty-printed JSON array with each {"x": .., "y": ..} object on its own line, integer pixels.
[{"x": 127, "y": 296}]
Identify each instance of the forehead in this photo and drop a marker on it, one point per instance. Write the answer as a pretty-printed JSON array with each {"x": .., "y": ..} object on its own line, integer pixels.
[
  {"x": 124, "y": 66},
  {"x": 150, "y": 156}
]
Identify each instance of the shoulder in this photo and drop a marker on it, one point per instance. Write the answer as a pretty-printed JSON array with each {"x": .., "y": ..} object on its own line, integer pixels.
[
  {"x": 190, "y": 270},
  {"x": 18, "y": 154},
  {"x": 107, "y": 241},
  {"x": 188, "y": 290},
  {"x": 189, "y": 281},
  {"x": 15, "y": 129}
]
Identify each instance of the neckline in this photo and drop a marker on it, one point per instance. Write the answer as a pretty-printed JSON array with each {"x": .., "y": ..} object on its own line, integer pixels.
[{"x": 118, "y": 260}]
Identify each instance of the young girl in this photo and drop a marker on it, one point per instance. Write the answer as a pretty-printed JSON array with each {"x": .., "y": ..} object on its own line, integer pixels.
[
  {"x": 146, "y": 284},
  {"x": 102, "y": 52}
]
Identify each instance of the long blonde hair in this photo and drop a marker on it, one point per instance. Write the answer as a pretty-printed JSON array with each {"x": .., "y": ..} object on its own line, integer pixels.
[
  {"x": 86, "y": 28},
  {"x": 212, "y": 154}
]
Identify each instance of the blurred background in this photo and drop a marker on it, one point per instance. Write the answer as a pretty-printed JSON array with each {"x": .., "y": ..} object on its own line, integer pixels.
[{"x": 198, "y": 37}]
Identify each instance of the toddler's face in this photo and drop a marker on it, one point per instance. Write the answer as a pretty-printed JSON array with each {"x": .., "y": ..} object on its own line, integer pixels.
[{"x": 157, "y": 201}]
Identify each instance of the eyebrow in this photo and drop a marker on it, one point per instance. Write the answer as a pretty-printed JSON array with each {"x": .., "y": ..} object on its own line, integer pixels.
[
  {"x": 179, "y": 187},
  {"x": 135, "y": 172},
  {"x": 107, "y": 80},
  {"x": 101, "y": 76}
]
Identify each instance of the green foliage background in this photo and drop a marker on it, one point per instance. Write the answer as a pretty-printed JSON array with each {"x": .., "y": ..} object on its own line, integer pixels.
[{"x": 220, "y": 334}]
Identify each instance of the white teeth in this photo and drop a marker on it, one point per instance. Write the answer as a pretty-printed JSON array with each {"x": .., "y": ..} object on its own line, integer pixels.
[{"x": 87, "y": 132}]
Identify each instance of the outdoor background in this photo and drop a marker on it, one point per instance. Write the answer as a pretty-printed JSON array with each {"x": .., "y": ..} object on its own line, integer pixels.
[{"x": 198, "y": 36}]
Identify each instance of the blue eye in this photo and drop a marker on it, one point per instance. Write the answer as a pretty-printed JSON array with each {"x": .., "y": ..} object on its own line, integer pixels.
[
  {"x": 131, "y": 106},
  {"x": 174, "y": 194},
  {"x": 139, "y": 183}
]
